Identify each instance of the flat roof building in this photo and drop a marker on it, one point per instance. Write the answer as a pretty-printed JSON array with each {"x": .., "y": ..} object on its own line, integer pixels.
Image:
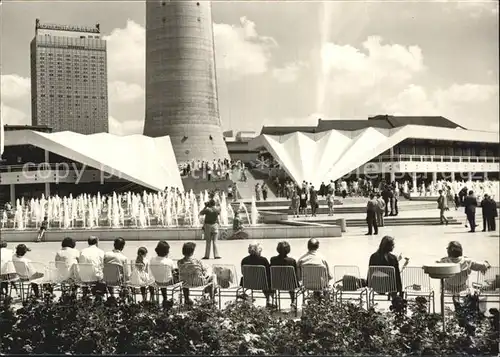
[{"x": 69, "y": 89}]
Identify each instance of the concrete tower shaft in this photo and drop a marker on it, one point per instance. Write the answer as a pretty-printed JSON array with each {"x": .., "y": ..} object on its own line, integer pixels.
[{"x": 181, "y": 83}]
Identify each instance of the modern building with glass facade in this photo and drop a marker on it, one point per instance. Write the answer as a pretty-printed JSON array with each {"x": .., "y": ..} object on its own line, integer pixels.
[{"x": 69, "y": 90}]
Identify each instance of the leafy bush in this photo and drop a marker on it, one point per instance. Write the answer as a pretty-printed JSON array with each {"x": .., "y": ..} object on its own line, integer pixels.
[{"x": 94, "y": 325}]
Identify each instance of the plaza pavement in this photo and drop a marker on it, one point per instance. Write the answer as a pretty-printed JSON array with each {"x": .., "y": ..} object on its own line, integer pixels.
[{"x": 422, "y": 244}]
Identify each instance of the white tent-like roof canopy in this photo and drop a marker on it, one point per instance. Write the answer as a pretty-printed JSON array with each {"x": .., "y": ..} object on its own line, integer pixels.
[
  {"x": 329, "y": 155},
  {"x": 146, "y": 161}
]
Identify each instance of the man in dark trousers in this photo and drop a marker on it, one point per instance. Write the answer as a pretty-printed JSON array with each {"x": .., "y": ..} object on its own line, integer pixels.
[
  {"x": 313, "y": 199},
  {"x": 489, "y": 210},
  {"x": 386, "y": 196},
  {"x": 492, "y": 218},
  {"x": 462, "y": 194},
  {"x": 322, "y": 190},
  {"x": 393, "y": 197},
  {"x": 371, "y": 217},
  {"x": 470, "y": 204}
]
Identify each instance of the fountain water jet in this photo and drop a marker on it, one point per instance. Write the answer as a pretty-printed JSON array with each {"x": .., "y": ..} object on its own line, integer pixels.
[{"x": 254, "y": 213}]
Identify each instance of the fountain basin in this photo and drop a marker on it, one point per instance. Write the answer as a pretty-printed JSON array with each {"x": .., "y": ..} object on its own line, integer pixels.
[
  {"x": 261, "y": 231},
  {"x": 442, "y": 270}
]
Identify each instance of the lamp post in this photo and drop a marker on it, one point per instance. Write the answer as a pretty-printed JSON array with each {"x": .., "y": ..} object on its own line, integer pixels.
[{"x": 442, "y": 271}]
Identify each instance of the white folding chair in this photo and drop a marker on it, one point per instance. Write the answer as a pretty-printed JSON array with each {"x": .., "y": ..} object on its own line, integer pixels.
[
  {"x": 8, "y": 275},
  {"x": 489, "y": 284},
  {"x": 381, "y": 281},
  {"x": 254, "y": 279},
  {"x": 457, "y": 286},
  {"x": 417, "y": 283},
  {"x": 164, "y": 280},
  {"x": 350, "y": 287},
  {"x": 315, "y": 279},
  {"x": 30, "y": 273},
  {"x": 283, "y": 278},
  {"x": 195, "y": 282},
  {"x": 140, "y": 277},
  {"x": 227, "y": 281},
  {"x": 60, "y": 275},
  {"x": 113, "y": 276},
  {"x": 88, "y": 275}
]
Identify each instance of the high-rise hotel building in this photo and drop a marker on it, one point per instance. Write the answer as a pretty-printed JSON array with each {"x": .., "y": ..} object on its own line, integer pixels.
[{"x": 69, "y": 89}]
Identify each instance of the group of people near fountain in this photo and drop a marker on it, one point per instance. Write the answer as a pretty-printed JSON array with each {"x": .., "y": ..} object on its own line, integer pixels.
[{"x": 144, "y": 273}]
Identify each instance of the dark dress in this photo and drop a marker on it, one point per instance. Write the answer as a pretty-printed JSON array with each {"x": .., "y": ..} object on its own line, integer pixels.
[
  {"x": 378, "y": 259},
  {"x": 280, "y": 261},
  {"x": 257, "y": 260}
]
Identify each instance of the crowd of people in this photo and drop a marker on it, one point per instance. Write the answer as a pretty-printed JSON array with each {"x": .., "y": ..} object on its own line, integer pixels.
[
  {"x": 470, "y": 202},
  {"x": 160, "y": 271},
  {"x": 220, "y": 169}
]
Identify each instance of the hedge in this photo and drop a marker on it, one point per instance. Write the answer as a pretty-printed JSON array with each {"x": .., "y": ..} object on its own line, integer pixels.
[{"x": 94, "y": 325}]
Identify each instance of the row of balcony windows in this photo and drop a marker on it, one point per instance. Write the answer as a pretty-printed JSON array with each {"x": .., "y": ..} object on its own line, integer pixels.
[{"x": 435, "y": 158}]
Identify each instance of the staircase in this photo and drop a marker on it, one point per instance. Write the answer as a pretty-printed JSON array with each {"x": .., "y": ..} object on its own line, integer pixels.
[
  {"x": 388, "y": 222},
  {"x": 202, "y": 184},
  {"x": 247, "y": 189}
]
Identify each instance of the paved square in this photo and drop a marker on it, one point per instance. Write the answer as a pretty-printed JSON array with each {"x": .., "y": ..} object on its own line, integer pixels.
[{"x": 422, "y": 244}]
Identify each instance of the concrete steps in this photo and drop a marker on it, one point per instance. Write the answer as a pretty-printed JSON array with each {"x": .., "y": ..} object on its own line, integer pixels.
[
  {"x": 345, "y": 210},
  {"x": 246, "y": 189},
  {"x": 202, "y": 184},
  {"x": 389, "y": 221}
]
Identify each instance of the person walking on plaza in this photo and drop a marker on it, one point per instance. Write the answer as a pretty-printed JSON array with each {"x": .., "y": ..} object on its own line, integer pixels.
[
  {"x": 371, "y": 218},
  {"x": 379, "y": 210},
  {"x": 211, "y": 228},
  {"x": 470, "y": 204},
  {"x": 442, "y": 202}
]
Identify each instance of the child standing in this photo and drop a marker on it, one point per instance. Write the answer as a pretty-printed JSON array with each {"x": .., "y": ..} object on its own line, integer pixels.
[
  {"x": 43, "y": 228},
  {"x": 140, "y": 274}
]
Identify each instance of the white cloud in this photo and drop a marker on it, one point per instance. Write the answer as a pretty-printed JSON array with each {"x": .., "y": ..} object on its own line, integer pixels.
[
  {"x": 240, "y": 50},
  {"x": 288, "y": 73},
  {"x": 128, "y": 127},
  {"x": 121, "y": 92},
  {"x": 467, "y": 93},
  {"x": 126, "y": 51},
  {"x": 351, "y": 70},
  {"x": 14, "y": 87},
  {"x": 478, "y": 7},
  {"x": 13, "y": 116},
  {"x": 466, "y": 104}
]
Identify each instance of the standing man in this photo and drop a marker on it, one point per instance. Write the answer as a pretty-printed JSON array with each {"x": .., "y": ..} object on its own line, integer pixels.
[
  {"x": 493, "y": 214},
  {"x": 443, "y": 207},
  {"x": 385, "y": 196},
  {"x": 211, "y": 228},
  {"x": 470, "y": 204},
  {"x": 379, "y": 210},
  {"x": 371, "y": 218},
  {"x": 313, "y": 199},
  {"x": 489, "y": 208}
]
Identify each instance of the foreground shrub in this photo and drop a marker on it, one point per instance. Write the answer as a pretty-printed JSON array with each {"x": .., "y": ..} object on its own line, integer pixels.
[{"x": 119, "y": 326}]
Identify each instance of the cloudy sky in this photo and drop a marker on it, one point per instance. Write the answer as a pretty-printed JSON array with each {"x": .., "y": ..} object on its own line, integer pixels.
[{"x": 288, "y": 63}]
